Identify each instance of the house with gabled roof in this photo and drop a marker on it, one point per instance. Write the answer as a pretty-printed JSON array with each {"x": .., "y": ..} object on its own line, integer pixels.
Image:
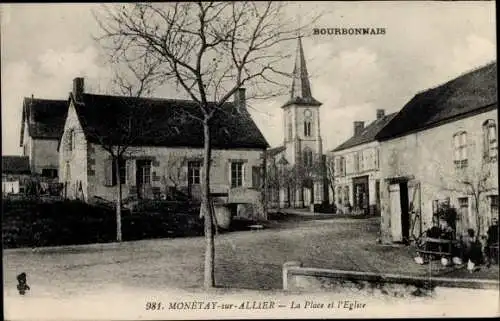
[
  {"x": 164, "y": 139},
  {"x": 441, "y": 148},
  {"x": 15, "y": 171},
  {"x": 41, "y": 126},
  {"x": 356, "y": 168}
]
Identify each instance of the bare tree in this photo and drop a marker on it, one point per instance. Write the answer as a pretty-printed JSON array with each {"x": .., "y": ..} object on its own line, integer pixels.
[
  {"x": 474, "y": 182},
  {"x": 175, "y": 173},
  {"x": 330, "y": 175},
  {"x": 120, "y": 139},
  {"x": 272, "y": 182},
  {"x": 209, "y": 50}
]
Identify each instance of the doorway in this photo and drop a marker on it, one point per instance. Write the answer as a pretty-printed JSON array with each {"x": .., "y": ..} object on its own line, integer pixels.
[
  {"x": 143, "y": 177},
  {"x": 400, "y": 213},
  {"x": 405, "y": 211},
  {"x": 361, "y": 194}
]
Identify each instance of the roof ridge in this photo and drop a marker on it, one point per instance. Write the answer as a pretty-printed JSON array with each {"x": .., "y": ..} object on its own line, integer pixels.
[
  {"x": 458, "y": 77},
  {"x": 160, "y": 99},
  {"x": 387, "y": 117},
  {"x": 45, "y": 99}
]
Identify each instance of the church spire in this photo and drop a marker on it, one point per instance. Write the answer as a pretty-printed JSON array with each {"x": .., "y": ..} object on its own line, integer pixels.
[{"x": 301, "y": 88}]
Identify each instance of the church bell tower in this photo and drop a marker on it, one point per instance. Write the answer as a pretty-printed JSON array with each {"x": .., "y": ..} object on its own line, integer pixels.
[{"x": 302, "y": 137}]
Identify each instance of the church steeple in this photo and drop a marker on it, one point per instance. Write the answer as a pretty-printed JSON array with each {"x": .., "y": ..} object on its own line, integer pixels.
[{"x": 300, "y": 92}]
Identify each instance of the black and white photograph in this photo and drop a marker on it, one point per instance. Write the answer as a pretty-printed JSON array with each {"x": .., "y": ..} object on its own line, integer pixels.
[{"x": 249, "y": 160}]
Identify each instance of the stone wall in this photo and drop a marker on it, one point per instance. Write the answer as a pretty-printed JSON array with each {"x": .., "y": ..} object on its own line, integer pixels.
[
  {"x": 297, "y": 278},
  {"x": 427, "y": 158}
]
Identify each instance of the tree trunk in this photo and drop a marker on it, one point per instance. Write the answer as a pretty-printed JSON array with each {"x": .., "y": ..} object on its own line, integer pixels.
[
  {"x": 209, "y": 280},
  {"x": 118, "y": 202}
]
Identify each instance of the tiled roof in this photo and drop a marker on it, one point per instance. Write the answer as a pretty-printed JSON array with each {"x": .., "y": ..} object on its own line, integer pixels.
[
  {"x": 45, "y": 117},
  {"x": 164, "y": 122},
  {"x": 15, "y": 165},
  {"x": 475, "y": 91},
  {"x": 368, "y": 134}
]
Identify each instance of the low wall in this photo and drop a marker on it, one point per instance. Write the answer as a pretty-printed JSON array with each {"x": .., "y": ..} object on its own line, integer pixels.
[{"x": 298, "y": 278}]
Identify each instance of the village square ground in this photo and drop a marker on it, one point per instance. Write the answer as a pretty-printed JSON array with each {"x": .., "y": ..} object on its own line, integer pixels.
[{"x": 245, "y": 261}]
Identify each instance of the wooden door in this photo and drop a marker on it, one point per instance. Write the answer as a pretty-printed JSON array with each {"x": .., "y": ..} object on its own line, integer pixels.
[{"x": 395, "y": 198}]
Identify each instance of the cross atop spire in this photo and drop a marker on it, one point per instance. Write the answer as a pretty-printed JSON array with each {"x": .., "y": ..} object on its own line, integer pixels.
[{"x": 301, "y": 88}]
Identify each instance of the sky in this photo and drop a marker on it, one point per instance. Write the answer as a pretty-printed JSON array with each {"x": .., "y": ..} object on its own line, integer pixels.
[{"x": 45, "y": 46}]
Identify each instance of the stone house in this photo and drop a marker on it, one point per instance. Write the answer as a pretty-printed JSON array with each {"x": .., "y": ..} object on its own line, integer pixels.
[
  {"x": 165, "y": 150},
  {"x": 356, "y": 168},
  {"x": 301, "y": 154},
  {"x": 441, "y": 147},
  {"x": 15, "y": 172},
  {"x": 41, "y": 126}
]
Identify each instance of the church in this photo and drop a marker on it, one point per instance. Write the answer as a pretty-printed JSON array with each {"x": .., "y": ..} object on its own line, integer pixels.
[{"x": 296, "y": 170}]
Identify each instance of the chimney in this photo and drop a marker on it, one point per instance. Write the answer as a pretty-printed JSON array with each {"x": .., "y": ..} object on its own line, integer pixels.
[
  {"x": 239, "y": 99},
  {"x": 358, "y": 127},
  {"x": 78, "y": 88},
  {"x": 380, "y": 114}
]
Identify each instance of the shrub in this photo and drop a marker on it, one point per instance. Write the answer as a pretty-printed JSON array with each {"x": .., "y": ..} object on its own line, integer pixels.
[{"x": 30, "y": 223}]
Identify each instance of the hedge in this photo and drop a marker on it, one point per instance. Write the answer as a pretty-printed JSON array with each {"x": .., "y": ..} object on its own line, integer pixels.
[{"x": 31, "y": 223}]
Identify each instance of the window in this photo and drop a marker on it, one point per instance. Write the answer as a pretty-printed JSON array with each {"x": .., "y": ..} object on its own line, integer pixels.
[
  {"x": 70, "y": 137},
  {"x": 307, "y": 128},
  {"x": 49, "y": 172},
  {"x": 340, "y": 165},
  {"x": 490, "y": 140},
  {"x": 307, "y": 122},
  {"x": 122, "y": 172},
  {"x": 494, "y": 205},
  {"x": 290, "y": 128},
  {"x": 460, "y": 145},
  {"x": 463, "y": 202},
  {"x": 256, "y": 173},
  {"x": 356, "y": 162},
  {"x": 146, "y": 172},
  {"x": 308, "y": 158},
  {"x": 73, "y": 139},
  {"x": 236, "y": 174},
  {"x": 67, "y": 172},
  {"x": 346, "y": 195},
  {"x": 194, "y": 172}
]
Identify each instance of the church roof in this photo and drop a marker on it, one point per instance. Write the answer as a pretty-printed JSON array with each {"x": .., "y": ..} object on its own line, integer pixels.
[{"x": 300, "y": 92}]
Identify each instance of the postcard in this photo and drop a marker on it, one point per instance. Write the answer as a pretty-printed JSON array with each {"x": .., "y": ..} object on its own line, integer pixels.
[{"x": 249, "y": 160}]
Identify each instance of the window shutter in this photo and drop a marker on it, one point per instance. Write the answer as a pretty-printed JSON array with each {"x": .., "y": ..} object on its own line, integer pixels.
[
  {"x": 486, "y": 142},
  {"x": 130, "y": 173},
  {"x": 256, "y": 176},
  {"x": 226, "y": 173},
  {"x": 108, "y": 172}
]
